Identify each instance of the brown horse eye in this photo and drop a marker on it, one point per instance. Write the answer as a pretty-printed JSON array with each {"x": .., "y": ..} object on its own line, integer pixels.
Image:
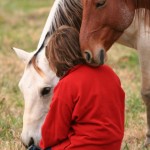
[{"x": 100, "y": 3}]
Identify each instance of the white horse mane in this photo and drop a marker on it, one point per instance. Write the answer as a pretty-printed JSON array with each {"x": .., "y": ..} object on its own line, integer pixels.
[{"x": 64, "y": 12}]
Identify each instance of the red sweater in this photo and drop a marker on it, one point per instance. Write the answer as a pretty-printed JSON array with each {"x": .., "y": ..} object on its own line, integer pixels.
[{"x": 87, "y": 111}]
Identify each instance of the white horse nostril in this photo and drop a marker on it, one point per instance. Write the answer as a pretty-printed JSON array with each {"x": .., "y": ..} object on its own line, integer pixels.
[{"x": 31, "y": 142}]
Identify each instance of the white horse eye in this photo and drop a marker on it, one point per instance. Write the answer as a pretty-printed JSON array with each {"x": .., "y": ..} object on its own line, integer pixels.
[
  {"x": 100, "y": 4},
  {"x": 45, "y": 91}
]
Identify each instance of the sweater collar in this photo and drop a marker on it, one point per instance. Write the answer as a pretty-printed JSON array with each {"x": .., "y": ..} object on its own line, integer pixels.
[{"x": 71, "y": 70}]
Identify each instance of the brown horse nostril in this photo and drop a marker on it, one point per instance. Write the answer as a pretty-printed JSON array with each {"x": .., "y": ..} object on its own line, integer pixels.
[
  {"x": 102, "y": 56},
  {"x": 31, "y": 142},
  {"x": 88, "y": 56}
]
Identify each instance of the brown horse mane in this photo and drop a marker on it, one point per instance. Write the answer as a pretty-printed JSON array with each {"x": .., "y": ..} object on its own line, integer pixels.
[
  {"x": 143, "y": 3},
  {"x": 145, "y": 13},
  {"x": 68, "y": 12}
]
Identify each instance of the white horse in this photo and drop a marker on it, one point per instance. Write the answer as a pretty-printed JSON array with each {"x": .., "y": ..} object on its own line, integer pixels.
[
  {"x": 36, "y": 90},
  {"x": 38, "y": 80}
]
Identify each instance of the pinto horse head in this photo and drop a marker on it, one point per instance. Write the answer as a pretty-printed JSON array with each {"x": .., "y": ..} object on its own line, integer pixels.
[{"x": 103, "y": 23}]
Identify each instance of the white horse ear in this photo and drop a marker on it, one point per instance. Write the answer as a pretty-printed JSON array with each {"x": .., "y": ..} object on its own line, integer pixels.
[{"x": 23, "y": 55}]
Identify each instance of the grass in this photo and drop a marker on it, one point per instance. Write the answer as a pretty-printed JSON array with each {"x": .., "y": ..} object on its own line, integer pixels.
[
  {"x": 126, "y": 64},
  {"x": 21, "y": 24}
]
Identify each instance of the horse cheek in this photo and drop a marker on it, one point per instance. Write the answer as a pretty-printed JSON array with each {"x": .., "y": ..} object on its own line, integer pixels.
[{"x": 126, "y": 18}]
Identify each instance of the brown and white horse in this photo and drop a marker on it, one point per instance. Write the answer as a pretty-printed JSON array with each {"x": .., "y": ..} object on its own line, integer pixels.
[
  {"x": 104, "y": 22},
  {"x": 38, "y": 80}
]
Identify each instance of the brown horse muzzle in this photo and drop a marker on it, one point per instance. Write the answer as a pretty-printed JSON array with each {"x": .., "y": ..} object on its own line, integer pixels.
[{"x": 95, "y": 60}]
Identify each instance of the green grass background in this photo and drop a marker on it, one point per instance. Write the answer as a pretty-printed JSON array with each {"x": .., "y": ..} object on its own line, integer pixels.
[{"x": 21, "y": 24}]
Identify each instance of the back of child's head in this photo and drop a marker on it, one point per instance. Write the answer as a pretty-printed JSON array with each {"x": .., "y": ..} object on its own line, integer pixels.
[{"x": 63, "y": 50}]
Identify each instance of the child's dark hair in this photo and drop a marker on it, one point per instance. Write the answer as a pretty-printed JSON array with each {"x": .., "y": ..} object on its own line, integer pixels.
[{"x": 63, "y": 50}]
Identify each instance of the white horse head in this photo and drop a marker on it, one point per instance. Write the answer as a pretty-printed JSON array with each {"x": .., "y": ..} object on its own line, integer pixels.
[{"x": 36, "y": 89}]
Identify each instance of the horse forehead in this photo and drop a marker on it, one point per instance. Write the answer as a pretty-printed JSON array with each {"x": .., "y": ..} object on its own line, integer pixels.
[
  {"x": 87, "y": 2},
  {"x": 29, "y": 79}
]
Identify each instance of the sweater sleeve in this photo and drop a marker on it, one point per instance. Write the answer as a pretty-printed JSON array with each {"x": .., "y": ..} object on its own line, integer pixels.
[{"x": 58, "y": 120}]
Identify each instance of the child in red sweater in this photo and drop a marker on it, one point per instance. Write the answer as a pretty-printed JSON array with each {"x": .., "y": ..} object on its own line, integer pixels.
[{"x": 87, "y": 109}]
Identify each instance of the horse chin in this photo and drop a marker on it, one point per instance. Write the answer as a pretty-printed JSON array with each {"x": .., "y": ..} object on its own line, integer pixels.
[
  {"x": 94, "y": 64},
  {"x": 26, "y": 139},
  {"x": 31, "y": 134}
]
